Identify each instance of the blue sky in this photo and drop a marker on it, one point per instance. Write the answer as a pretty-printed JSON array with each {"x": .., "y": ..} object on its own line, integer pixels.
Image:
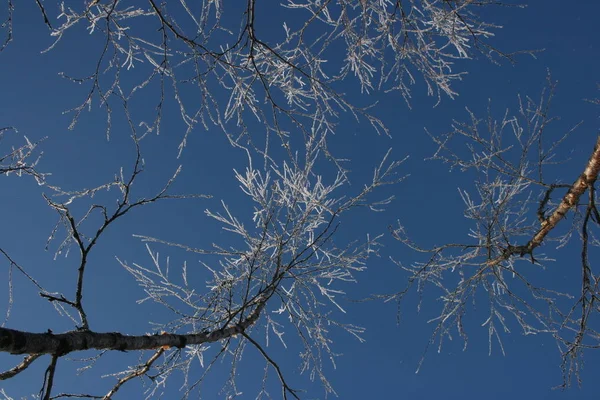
[{"x": 428, "y": 204}]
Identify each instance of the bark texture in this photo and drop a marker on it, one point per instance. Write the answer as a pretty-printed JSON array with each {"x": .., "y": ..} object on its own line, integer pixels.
[
  {"x": 571, "y": 199},
  {"x": 585, "y": 180},
  {"x": 19, "y": 342}
]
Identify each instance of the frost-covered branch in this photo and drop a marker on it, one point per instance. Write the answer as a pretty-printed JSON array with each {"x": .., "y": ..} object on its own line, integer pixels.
[
  {"x": 288, "y": 261},
  {"x": 277, "y": 67},
  {"x": 21, "y": 159},
  {"x": 85, "y": 243},
  {"x": 511, "y": 158}
]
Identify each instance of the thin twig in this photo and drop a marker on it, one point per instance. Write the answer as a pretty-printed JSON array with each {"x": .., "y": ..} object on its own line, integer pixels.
[{"x": 19, "y": 368}]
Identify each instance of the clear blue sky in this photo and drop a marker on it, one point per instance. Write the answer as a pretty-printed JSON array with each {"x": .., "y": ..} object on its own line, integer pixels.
[{"x": 34, "y": 97}]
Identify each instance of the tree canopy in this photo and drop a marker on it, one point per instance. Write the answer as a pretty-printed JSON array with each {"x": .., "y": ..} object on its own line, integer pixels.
[{"x": 210, "y": 199}]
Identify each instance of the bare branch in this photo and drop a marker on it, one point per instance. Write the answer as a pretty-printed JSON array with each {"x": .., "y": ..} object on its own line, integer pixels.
[
  {"x": 18, "y": 342},
  {"x": 19, "y": 368},
  {"x": 285, "y": 388},
  {"x": 46, "y": 390},
  {"x": 142, "y": 370},
  {"x": 503, "y": 232}
]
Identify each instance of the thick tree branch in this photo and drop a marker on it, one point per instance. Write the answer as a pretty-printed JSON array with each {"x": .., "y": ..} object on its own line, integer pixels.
[
  {"x": 578, "y": 188},
  {"x": 19, "y": 342},
  {"x": 585, "y": 180}
]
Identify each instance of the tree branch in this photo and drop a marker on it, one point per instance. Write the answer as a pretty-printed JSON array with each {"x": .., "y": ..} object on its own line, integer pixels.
[
  {"x": 578, "y": 188},
  {"x": 145, "y": 368},
  {"x": 285, "y": 387},
  {"x": 19, "y": 342},
  {"x": 27, "y": 361},
  {"x": 49, "y": 378}
]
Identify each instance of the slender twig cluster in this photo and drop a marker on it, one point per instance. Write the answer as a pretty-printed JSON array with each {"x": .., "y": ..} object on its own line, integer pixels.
[
  {"x": 283, "y": 270},
  {"x": 513, "y": 213},
  {"x": 285, "y": 77}
]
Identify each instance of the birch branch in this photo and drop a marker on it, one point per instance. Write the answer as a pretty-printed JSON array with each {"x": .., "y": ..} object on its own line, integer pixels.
[{"x": 571, "y": 199}]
